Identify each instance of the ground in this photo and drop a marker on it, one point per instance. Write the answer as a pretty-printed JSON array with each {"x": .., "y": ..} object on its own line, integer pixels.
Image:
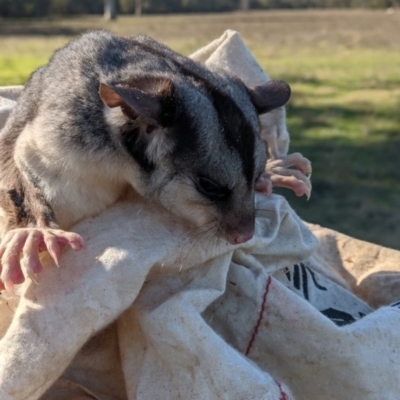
[{"x": 344, "y": 115}]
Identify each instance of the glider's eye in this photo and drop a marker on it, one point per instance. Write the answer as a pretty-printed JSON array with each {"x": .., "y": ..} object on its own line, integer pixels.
[{"x": 212, "y": 190}]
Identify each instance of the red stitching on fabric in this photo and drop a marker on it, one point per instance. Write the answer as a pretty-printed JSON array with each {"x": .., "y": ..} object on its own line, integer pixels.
[
  {"x": 283, "y": 395},
  {"x": 260, "y": 315}
]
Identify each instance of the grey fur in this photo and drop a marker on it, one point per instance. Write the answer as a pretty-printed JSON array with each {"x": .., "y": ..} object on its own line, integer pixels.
[{"x": 63, "y": 144}]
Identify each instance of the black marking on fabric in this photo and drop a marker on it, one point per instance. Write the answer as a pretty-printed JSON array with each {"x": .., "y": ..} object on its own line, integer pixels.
[
  {"x": 305, "y": 281},
  {"x": 318, "y": 286},
  {"x": 296, "y": 277},
  {"x": 340, "y": 318},
  {"x": 396, "y": 304},
  {"x": 287, "y": 273}
]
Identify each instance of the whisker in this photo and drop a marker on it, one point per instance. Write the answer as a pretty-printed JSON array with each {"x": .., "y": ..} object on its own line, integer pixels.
[
  {"x": 198, "y": 237},
  {"x": 211, "y": 238},
  {"x": 192, "y": 233},
  {"x": 210, "y": 233}
]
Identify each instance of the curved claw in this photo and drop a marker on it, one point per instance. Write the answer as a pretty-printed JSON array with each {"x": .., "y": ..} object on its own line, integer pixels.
[
  {"x": 300, "y": 186},
  {"x": 295, "y": 160},
  {"x": 292, "y": 172},
  {"x": 20, "y": 248}
]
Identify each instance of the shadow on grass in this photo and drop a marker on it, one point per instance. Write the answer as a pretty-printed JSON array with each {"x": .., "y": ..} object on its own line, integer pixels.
[
  {"x": 355, "y": 153},
  {"x": 345, "y": 85},
  {"x": 362, "y": 119},
  {"x": 356, "y": 189},
  {"x": 37, "y": 27},
  {"x": 358, "y": 210}
]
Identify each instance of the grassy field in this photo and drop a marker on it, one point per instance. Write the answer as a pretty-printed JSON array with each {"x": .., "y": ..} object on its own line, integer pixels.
[{"x": 344, "y": 69}]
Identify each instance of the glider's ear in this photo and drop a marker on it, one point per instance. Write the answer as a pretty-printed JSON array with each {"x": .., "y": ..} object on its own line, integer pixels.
[
  {"x": 149, "y": 98},
  {"x": 270, "y": 95}
]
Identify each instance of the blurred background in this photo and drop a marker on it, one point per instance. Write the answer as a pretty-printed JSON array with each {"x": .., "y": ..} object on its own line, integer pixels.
[{"x": 341, "y": 57}]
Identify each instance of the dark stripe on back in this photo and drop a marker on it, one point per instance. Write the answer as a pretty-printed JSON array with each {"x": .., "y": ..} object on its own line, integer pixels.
[{"x": 237, "y": 131}]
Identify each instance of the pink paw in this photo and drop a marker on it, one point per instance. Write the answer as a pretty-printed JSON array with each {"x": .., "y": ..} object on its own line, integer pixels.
[
  {"x": 292, "y": 171},
  {"x": 264, "y": 185},
  {"x": 20, "y": 248}
]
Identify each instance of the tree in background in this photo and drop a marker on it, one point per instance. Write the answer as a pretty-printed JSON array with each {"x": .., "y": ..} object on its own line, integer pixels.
[
  {"x": 38, "y": 8},
  {"x": 138, "y": 8},
  {"x": 244, "y": 5},
  {"x": 110, "y": 9}
]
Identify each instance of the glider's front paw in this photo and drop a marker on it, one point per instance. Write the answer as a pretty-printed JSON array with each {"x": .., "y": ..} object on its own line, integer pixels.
[
  {"x": 20, "y": 248},
  {"x": 264, "y": 185},
  {"x": 293, "y": 172}
]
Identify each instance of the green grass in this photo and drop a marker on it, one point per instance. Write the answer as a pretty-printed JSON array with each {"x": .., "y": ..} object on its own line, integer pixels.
[
  {"x": 344, "y": 115},
  {"x": 344, "y": 69}
]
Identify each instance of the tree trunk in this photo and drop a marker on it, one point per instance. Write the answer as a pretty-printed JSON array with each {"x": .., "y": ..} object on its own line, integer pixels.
[
  {"x": 244, "y": 5},
  {"x": 138, "y": 8},
  {"x": 110, "y": 9}
]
